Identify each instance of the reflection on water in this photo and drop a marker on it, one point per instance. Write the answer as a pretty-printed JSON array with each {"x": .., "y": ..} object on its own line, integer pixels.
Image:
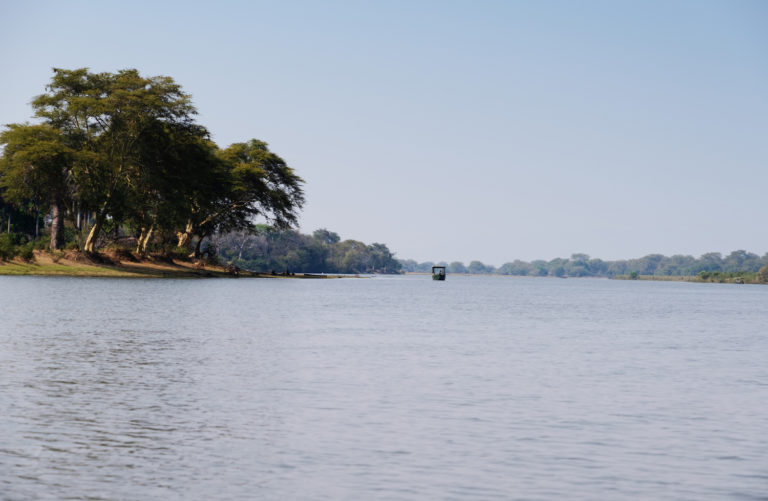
[{"x": 384, "y": 388}]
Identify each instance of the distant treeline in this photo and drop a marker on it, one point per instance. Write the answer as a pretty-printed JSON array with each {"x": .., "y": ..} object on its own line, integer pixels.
[
  {"x": 269, "y": 249},
  {"x": 581, "y": 265}
]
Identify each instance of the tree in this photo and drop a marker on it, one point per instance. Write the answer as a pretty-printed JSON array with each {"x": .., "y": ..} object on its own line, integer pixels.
[
  {"x": 254, "y": 182},
  {"x": 647, "y": 265},
  {"x": 539, "y": 268},
  {"x": 456, "y": 267},
  {"x": 36, "y": 166},
  {"x": 478, "y": 267},
  {"x": 762, "y": 274},
  {"x": 381, "y": 259},
  {"x": 741, "y": 260},
  {"x": 557, "y": 267},
  {"x": 124, "y": 150},
  {"x": 711, "y": 261},
  {"x": 326, "y": 237},
  {"x": 106, "y": 115},
  {"x": 352, "y": 257},
  {"x": 180, "y": 171},
  {"x": 516, "y": 267}
]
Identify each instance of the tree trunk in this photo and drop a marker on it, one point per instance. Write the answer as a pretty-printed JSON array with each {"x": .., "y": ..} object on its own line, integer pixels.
[
  {"x": 57, "y": 226},
  {"x": 144, "y": 238},
  {"x": 186, "y": 236},
  {"x": 140, "y": 240},
  {"x": 197, "y": 247},
  {"x": 242, "y": 246},
  {"x": 90, "y": 241}
]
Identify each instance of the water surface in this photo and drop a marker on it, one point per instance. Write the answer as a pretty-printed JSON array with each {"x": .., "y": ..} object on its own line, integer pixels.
[{"x": 382, "y": 388}]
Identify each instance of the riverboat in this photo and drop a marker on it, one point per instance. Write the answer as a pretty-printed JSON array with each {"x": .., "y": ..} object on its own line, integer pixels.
[{"x": 438, "y": 273}]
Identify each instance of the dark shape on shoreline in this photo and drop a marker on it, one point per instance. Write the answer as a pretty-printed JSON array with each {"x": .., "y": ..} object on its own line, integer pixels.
[{"x": 438, "y": 273}]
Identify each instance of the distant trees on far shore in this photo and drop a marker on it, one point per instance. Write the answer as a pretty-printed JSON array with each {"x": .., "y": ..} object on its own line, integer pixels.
[
  {"x": 581, "y": 265},
  {"x": 267, "y": 249}
]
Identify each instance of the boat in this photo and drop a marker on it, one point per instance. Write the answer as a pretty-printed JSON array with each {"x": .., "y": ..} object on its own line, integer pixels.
[{"x": 438, "y": 273}]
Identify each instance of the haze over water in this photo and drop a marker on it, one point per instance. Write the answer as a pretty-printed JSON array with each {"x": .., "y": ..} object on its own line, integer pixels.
[{"x": 383, "y": 388}]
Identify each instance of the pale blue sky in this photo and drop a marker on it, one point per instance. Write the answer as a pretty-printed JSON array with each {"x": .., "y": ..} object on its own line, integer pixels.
[{"x": 487, "y": 130}]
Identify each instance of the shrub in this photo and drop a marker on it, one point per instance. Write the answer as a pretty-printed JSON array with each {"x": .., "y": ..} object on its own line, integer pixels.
[
  {"x": 70, "y": 235},
  {"x": 633, "y": 275},
  {"x": 121, "y": 253},
  {"x": 27, "y": 252},
  {"x": 211, "y": 254},
  {"x": 762, "y": 274},
  {"x": 7, "y": 247},
  {"x": 180, "y": 251}
]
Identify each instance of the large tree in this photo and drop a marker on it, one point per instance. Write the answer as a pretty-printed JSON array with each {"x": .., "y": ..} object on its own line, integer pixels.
[
  {"x": 124, "y": 150},
  {"x": 253, "y": 182},
  {"x": 35, "y": 168},
  {"x": 179, "y": 170},
  {"x": 108, "y": 115}
]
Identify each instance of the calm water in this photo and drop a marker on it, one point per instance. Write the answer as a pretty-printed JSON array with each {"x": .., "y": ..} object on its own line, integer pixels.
[{"x": 383, "y": 388}]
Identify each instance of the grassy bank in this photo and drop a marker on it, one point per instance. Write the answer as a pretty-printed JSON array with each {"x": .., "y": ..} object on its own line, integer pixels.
[
  {"x": 78, "y": 264},
  {"x": 713, "y": 277}
]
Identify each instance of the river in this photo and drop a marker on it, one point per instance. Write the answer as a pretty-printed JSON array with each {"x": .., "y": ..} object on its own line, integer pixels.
[{"x": 382, "y": 388}]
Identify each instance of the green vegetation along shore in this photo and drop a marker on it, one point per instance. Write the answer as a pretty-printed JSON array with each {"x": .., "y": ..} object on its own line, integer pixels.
[
  {"x": 116, "y": 165},
  {"x": 128, "y": 265},
  {"x": 760, "y": 277},
  {"x": 116, "y": 154},
  {"x": 737, "y": 266}
]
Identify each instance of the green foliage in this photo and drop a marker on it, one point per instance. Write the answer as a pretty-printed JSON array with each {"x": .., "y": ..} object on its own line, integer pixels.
[
  {"x": 739, "y": 277},
  {"x": 211, "y": 253},
  {"x": 123, "y": 150},
  {"x": 7, "y": 247},
  {"x": 633, "y": 275},
  {"x": 326, "y": 237},
  {"x": 26, "y": 251},
  {"x": 323, "y": 252},
  {"x": 479, "y": 267},
  {"x": 709, "y": 267},
  {"x": 16, "y": 245},
  {"x": 456, "y": 267},
  {"x": 411, "y": 266},
  {"x": 762, "y": 274}
]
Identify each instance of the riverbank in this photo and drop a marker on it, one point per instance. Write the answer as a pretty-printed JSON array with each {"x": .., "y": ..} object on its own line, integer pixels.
[
  {"x": 126, "y": 265},
  {"x": 715, "y": 278}
]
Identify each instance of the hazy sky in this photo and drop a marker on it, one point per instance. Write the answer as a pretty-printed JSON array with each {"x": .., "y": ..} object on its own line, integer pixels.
[{"x": 489, "y": 130}]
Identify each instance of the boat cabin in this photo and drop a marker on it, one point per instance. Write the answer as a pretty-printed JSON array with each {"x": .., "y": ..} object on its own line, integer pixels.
[{"x": 438, "y": 273}]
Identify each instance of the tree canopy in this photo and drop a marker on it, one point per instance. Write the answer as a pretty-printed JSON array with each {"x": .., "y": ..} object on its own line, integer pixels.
[
  {"x": 270, "y": 249},
  {"x": 581, "y": 265},
  {"x": 120, "y": 150}
]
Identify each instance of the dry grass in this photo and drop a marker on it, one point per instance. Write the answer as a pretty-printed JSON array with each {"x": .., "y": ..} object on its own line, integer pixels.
[
  {"x": 79, "y": 264},
  {"x": 101, "y": 265}
]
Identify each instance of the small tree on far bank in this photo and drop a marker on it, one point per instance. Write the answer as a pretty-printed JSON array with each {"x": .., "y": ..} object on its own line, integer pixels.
[{"x": 762, "y": 274}]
